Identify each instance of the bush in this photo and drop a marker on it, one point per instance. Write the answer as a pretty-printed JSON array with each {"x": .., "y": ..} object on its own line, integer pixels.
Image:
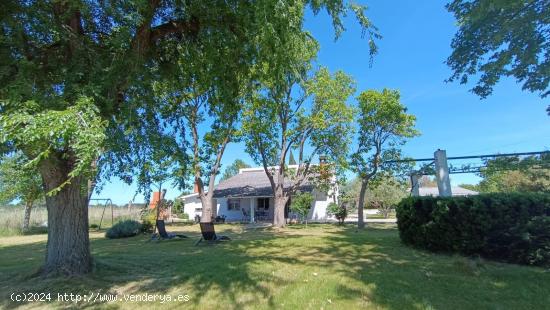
[
  {"x": 148, "y": 220},
  {"x": 123, "y": 229},
  {"x": 507, "y": 227},
  {"x": 301, "y": 204},
  {"x": 339, "y": 212}
]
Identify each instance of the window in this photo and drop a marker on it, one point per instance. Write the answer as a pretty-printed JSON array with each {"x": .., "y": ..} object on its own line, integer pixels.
[
  {"x": 262, "y": 204},
  {"x": 233, "y": 204}
]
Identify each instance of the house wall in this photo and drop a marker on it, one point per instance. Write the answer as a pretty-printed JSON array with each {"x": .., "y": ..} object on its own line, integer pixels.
[
  {"x": 318, "y": 211},
  {"x": 232, "y": 215},
  {"x": 192, "y": 206}
]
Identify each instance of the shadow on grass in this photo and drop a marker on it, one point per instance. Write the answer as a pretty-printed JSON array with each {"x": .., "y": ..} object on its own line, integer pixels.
[{"x": 265, "y": 268}]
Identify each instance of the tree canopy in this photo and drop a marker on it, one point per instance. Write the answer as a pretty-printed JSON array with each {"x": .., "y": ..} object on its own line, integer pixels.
[
  {"x": 514, "y": 174},
  {"x": 233, "y": 169},
  {"x": 18, "y": 181},
  {"x": 277, "y": 120},
  {"x": 504, "y": 38}
]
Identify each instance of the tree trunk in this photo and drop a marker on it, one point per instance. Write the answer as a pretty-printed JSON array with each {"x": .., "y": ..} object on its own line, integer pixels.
[
  {"x": 27, "y": 218},
  {"x": 279, "y": 212},
  {"x": 68, "y": 247},
  {"x": 207, "y": 213},
  {"x": 360, "y": 205}
]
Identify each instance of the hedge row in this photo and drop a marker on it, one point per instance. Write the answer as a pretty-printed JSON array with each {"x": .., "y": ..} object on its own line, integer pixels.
[{"x": 513, "y": 228}]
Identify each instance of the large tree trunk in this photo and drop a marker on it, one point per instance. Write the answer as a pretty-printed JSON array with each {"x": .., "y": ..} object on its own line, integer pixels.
[
  {"x": 279, "y": 211},
  {"x": 27, "y": 218},
  {"x": 360, "y": 206},
  {"x": 68, "y": 248},
  {"x": 207, "y": 212}
]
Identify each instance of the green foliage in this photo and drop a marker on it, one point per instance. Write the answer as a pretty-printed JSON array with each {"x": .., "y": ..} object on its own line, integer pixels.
[
  {"x": 301, "y": 204},
  {"x": 385, "y": 194},
  {"x": 508, "y": 227},
  {"x": 501, "y": 39},
  {"x": 233, "y": 169},
  {"x": 19, "y": 181},
  {"x": 384, "y": 126},
  {"x": 149, "y": 220},
  {"x": 514, "y": 174},
  {"x": 43, "y": 134},
  {"x": 178, "y": 206},
  {"x": 81, "y": 81},
  {"x": 340, "y": 212},
  {"x": 277, "y": 121},
  {"x": 124, "y": 229}
]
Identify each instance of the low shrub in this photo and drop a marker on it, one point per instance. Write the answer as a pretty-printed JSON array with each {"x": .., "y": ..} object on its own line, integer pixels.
[
  {"x": 148, "y": 220},
  {"x": 510, "y": 227},
  {"x": 339, "y": 212},
  {"x": 124, "y": 229}
]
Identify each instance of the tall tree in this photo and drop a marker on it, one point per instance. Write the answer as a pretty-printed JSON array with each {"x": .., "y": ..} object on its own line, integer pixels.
[
  {"x": 76, "y": 97},
  {"x": 199, "y": 95},
  {"x": 384, "y": 126},
  {"x": 234, "y": 168},
  {"x": 19, "y": 182},
  {"x": 502, "y": 39},
  {"x": 276, "y": 122}
]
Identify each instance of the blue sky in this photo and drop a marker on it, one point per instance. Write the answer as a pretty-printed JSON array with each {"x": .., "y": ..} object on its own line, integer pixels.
[{"x": 416, "y": 41}]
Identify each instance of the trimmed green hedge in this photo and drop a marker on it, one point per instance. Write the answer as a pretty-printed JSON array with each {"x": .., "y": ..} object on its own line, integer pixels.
[{"x": 510, "y": 227}]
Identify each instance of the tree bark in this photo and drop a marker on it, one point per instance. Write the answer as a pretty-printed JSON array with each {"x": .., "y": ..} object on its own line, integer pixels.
[
  {"x": 68, "y": 248},
  {"x": 207, "y": 212},
  {"x": 27, "y": 218},
  {"x": 279, "y": 211},
  {"x": 360, "y": 205}
]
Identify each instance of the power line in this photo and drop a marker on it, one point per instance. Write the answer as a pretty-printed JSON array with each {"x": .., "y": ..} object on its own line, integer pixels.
[{"x": 470, "y": 157}]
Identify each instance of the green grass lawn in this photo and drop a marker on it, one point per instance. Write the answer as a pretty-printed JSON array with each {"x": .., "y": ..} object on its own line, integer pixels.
[{"x": 319, "y": 267}]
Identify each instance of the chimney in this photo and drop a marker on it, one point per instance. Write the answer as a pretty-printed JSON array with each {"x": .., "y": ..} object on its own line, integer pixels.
[{"x": 196, "y": 187}]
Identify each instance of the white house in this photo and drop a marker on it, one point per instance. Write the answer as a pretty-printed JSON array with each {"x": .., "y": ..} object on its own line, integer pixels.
[{"x": 248, "y": 196}]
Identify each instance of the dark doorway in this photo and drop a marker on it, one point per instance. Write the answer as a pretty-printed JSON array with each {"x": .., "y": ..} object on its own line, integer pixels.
[{"x": 287, "y": 207}]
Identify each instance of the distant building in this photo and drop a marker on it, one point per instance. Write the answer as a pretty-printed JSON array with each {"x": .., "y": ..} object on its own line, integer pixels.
[
  {"x": 456, "y": 191},
  {"x": 248, "y": 196}
]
